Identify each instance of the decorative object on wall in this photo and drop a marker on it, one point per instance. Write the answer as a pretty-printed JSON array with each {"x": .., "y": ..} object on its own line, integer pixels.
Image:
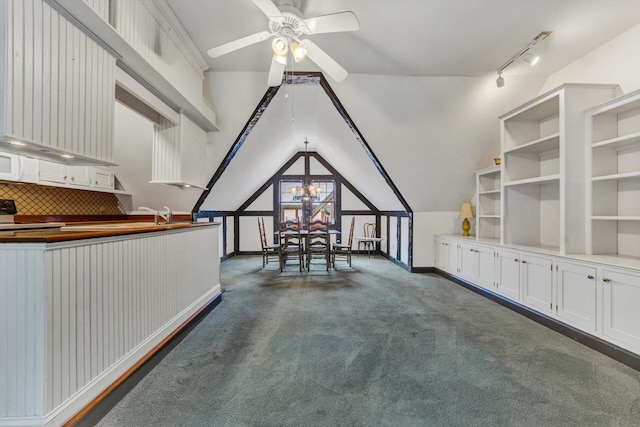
[
  {"x": 32, "y": 199},
  {"x": 465, "y": 213},
  {"x": 308, "y": 192},
  {"x": 526, "y": 56},
  {"x": 287, "y": 25}
]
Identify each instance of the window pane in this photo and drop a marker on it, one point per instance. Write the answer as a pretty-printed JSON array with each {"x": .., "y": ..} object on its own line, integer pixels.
[
  {"x": 285, "y": 190},
  {"x": 324, "y": 209}
]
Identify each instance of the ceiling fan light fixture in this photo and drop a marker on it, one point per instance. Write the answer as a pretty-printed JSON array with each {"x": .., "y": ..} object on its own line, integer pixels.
[
  {"x": 281, "y": 59},
  {"x": 530, "y": 58},
  {"x": 298, "y": 51},
  {"x": 280, "y": 46}
]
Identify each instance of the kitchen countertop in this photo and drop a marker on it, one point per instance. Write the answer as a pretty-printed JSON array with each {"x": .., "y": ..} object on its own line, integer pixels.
[{"x": 50, "y": 235}]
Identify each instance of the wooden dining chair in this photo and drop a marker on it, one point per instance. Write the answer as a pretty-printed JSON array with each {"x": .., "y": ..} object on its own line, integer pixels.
[
  {"x": 291, "y": 243},
  {"x": 343, "y": 250},
  {"x": 268, "y": 250},
  {"x": 318, "y": 243},
  {"x": 369, "y": 240}
]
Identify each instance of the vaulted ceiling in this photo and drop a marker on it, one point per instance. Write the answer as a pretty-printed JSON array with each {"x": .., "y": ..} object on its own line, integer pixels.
[{"x": 421, "y": 37}]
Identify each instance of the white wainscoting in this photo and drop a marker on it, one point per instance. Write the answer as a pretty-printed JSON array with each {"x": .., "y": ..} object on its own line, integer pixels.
[{"x": 77, "y": 315}]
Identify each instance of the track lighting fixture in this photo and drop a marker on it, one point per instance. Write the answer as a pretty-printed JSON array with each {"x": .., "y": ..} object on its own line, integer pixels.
[
  {"x": 526, "y": 56},
  {"x": 530, "y": 58}
]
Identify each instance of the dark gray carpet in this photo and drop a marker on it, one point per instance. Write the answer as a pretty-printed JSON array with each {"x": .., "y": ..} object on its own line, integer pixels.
[{"x": 373, "y": 345}]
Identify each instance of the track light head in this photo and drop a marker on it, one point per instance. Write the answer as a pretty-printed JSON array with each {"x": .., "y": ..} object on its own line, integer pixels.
[
  {"x": 500, "y": 80},
  {"x": 530, "y": 58}
]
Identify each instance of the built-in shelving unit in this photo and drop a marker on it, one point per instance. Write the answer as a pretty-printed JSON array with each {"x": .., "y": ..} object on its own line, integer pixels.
[
  {"x": 543, "y": 174},
  {"x": 488, "y": 211},
  {"x": 613, "y": 135}
]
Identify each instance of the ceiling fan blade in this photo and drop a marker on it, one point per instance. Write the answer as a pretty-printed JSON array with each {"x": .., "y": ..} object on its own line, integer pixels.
[
  {"x": 333, "y": 23},
  {"x": 275, "y": 73},
  {"x": 324, "y": 61},
  {"x": 217, "y": 51},
  {"x": 268, "y": 8}
]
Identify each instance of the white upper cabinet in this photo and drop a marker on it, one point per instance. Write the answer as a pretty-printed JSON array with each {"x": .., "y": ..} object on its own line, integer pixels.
[
  {"x": 179, "y": 154},
  {"x": 153, "y": 46},
  {"x": 57, "y": 88},
  {"x": 542, "y": 141}
]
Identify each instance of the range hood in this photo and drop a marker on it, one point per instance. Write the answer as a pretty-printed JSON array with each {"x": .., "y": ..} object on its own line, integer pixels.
[{"x": 179, "y": 154}]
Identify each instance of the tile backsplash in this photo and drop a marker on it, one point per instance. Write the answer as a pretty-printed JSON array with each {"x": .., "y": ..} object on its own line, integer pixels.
[{"x": 33, "y": 199}]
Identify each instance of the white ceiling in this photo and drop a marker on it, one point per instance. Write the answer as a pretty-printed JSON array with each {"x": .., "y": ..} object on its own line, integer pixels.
[{"x": 421, "y": 37}]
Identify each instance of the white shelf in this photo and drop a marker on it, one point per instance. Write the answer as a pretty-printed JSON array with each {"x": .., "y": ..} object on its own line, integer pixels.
[
  {"x": 616, "y": 218},
  {"x": 617, "y": 176},
  {"x": 620, "y": 142},
  {"x": 482, "y": 193},
  {"x": 488, "y": 216},
  {"x": 539, "y": 146},
  {"x": 537, "y": 180}
]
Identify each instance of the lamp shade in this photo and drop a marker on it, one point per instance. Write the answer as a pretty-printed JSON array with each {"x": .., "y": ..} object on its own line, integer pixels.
[{"x": 465, "y": 210}]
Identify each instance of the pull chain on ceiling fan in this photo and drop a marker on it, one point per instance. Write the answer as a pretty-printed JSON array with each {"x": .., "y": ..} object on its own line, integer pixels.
[{"x": 287, "y": 26}]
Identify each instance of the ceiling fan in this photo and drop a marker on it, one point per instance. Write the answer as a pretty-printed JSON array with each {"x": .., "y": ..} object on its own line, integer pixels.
[{"x": 287, "y": 26}]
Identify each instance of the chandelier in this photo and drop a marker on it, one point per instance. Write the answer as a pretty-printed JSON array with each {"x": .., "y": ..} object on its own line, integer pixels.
[{"x": 308, "y": 192}]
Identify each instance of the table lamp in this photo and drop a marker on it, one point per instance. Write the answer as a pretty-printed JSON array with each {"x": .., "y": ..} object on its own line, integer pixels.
[{"x": 465, "y": 213}]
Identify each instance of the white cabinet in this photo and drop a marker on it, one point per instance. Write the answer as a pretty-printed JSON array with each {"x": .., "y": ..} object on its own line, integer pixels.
[
  {"x": 179, "y": 154},
  {"x": 508, "y": 274},
  {"x": 467, "y": 268},
  {"x": 57, "y": 87},
  {"x": 79, "y": 176},
  {"x": 613, "y": 135},
  {"x": 488, "y": 210},
  {"x": 103, "y": 178},
  {"x": 621, "y": 307},
  {"x": 85, "y": 177},
  {"x": 543, "y": 151},
  {"x": 441, "y": 251},
  {"x": 51, "y": 173},
  {"x": 576, "y": 294},
  {"x": 537, "y": 282},
  {"x": 486, "y": 266}
]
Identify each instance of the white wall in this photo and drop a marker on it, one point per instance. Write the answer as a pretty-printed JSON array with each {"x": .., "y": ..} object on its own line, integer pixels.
[{"x": 617, "y": 61}]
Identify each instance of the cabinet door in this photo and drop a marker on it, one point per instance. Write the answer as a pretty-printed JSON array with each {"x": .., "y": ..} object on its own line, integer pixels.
[
  {"x": 452, "y": 258},
  {"x": 103, "y": 178},
  {"x": 486, "y": 266},
  {"x": 467, "y": 265},
  {"x": 621, "y": 307},
  {"x": 508, "y": 274},
  {"x": 537, "y": 282},
  {"x": 51, "y": 172},
  {"x": 576, "y": 295},
  {"x": 78, "y": 176}
]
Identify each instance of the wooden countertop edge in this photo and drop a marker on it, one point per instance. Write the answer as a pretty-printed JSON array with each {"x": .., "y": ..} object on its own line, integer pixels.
[{"x": 55, "y": 236}]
